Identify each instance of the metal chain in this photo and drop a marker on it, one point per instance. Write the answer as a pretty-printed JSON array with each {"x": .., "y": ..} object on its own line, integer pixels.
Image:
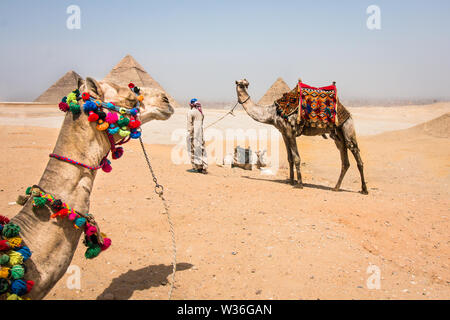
[{"x": 159, "y": 190}]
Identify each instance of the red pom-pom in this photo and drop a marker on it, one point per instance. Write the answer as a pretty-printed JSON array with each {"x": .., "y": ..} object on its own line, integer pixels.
[
  {"x": 131, "y": 85},
  {"x": 134, "y": 124},
  {"x": 64, "y": 107},
  {"x": 90, "y": 230},
  {"x": 30, "y": 284},
  {"x": 61, "y": 213},
  {"x": 3, "y": 220},
  {"x": 106, "y": 244},
  {"x": 92, "y": 116},
  {"x": 85, "y": 96},
  {"x": 107, "y": 167},
  {"x": 117, "y": 153},
  {"x": 4, "y": 245}
]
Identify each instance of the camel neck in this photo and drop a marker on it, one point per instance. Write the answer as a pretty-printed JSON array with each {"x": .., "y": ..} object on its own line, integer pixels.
[
  {"x": 57, "y": 239},
  {"x": 73, "y": 183},
  {"x": 263, "y": 114}
]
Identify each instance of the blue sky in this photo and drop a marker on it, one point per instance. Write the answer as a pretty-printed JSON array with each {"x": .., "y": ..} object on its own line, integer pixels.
[{"x": 199, "y": 47}]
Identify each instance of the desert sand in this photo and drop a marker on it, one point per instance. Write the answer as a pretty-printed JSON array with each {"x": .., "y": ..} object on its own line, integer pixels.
[{"x": 243, "y": 235}]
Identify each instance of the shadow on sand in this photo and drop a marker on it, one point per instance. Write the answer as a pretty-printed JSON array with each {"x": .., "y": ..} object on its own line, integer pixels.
[
  {"x": 305, "y": 185},
  {"x": 122, "y": 287}
]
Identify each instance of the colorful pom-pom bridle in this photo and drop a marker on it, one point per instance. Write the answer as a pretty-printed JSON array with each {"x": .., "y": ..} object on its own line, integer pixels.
[
  {"x": 13, "y": 254},
  {"x": 110, "y": 123}
]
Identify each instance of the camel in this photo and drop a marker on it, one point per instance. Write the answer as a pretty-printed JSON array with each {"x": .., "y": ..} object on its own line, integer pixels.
[
  {"x": 53, "y": 241},
  {"x": 343, "y": 135}
]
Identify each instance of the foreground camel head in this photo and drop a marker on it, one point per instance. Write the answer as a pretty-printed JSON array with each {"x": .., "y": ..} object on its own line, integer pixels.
[
  {"x": 243, "y": 84},
  {"x": 155, "y": 106}
]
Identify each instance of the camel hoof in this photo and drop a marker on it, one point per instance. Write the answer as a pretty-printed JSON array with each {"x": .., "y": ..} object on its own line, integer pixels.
[
  {"x": 298, "y": 186},
  {"x": 365, "y": 192},
  {"x": 336, "y": 189}
]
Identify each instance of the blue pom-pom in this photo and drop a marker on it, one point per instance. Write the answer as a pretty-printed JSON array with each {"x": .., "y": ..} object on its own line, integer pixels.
[
  {"x": 1, "y": 228},
  {"x": 64, "y": 99},
  {"x": 25, "y": 252},
  {"x": 19, "y": 287},
  {"x": 113, "y": 129},
  {"x": 135, "y": 135},
  {"x": 79, "y": 222},
  {"x": 89, "y": 106},
  {"x": 134, "y": 112}
]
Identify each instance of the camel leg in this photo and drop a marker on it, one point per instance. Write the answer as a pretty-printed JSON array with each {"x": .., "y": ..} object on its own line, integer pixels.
[
  {"x": 360, "y": 164},
  {"x": 339, "y": 141},
  {"x": 297, "y": 161},
  {"x": 291, "y": 163},
  {"x": 348, "y": 131}
]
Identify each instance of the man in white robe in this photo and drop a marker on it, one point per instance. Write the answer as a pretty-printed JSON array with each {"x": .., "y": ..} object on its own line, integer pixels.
[{"x": 195, "y": 139}]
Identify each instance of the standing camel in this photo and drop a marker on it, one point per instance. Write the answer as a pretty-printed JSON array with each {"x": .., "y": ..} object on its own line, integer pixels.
[
  {"x": 343, "y": 135},
  {"x": 53, "y": 242}
]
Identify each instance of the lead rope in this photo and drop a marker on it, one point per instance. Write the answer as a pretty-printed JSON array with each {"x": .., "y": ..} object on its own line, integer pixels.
[
  {"x": 229, "y": 112},
  {"x": 159, "y": 190}
]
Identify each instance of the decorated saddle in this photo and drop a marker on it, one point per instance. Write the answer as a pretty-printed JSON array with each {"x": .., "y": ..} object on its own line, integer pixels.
[{"x": 315, "y": 106}]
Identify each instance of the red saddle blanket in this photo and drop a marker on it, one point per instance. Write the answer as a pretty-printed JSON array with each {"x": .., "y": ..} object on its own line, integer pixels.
[{"x": 318, "y": 105}]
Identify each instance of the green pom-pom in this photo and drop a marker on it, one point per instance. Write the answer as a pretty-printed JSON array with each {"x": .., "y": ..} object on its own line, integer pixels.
[
  {"x": 77, "y": 92},
  {"x": 17, "y": 272},
  {"x": 11, "y": 230},
  {"x": 123, "y": 121},
  {"x": 39, "y": 201},
  {"x": 75, "y": 108},
  {"x": 92, "y": 252},
  {"x": 28, "y": 191},
  {"x": 4, "y": 259},
  {"x": 4, "y": 285}
]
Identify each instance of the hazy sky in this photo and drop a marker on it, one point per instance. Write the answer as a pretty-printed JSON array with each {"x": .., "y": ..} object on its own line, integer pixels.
[{"x": 200, "y": 47}]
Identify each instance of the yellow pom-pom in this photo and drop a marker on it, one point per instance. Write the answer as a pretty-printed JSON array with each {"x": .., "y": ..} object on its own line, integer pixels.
[
  {"x": 15, "y": 258},
  {"x": 71, "y": 97},
  {"x": 102, "y": 125},
  {"x": 14, "y": 242},
  {"x": 13, "y": 296},
  {"x": 4, "y": 273}
]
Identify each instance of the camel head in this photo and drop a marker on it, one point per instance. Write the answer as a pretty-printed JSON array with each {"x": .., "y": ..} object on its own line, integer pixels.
[
  {"x": 155, "y": 105},
  {"x": 242, "y": 84}
]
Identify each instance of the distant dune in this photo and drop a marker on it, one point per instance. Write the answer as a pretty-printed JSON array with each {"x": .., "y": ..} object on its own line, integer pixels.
[{"x": 439, "y": 127}]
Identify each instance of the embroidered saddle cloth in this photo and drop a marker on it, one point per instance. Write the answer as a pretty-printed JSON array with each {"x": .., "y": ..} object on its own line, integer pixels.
[{"x": 318, "y": 105}]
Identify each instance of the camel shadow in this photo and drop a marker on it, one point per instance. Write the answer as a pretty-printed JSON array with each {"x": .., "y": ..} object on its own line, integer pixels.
[
  {"x": 122, "y": 287},
  {"x": 305, "y": 185}
]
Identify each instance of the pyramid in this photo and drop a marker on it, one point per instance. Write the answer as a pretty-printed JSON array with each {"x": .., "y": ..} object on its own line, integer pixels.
[
  {"x": 129, "y": 70},
  {"x": 60, "y": 88},
  {"x": 275, "y": 92}
]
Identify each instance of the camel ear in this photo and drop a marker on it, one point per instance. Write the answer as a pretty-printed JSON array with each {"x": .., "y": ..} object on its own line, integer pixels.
[
  {"x": 94, "y": 89},
  {"x": 236, "y": 82},
  {"x": 81, "y": 83}
]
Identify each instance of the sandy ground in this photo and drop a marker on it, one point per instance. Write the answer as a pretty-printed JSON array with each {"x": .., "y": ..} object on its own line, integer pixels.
[{"x": 243, "y": 235}]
